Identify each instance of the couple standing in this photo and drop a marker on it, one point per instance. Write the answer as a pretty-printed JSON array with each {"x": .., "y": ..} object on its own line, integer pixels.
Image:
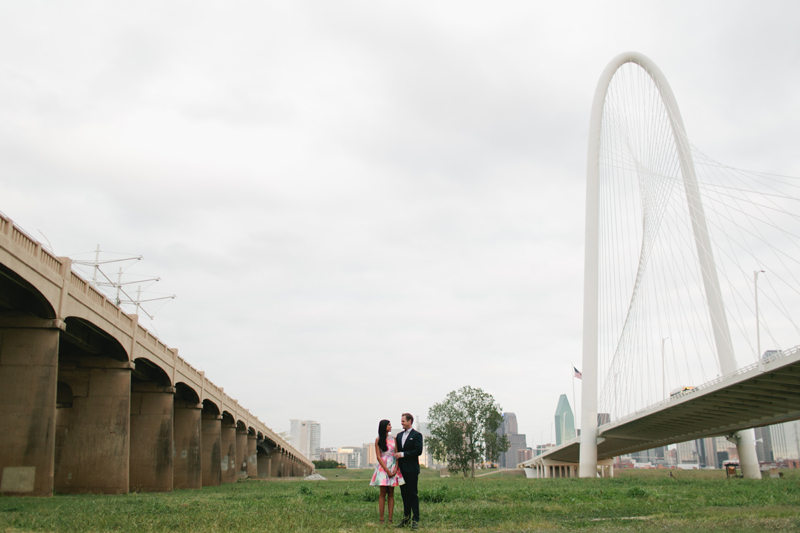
[{"x": 398, "y": 465}]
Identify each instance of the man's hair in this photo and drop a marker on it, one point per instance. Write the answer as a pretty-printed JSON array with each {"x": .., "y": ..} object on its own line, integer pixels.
[{"x": 409, "y": 417}]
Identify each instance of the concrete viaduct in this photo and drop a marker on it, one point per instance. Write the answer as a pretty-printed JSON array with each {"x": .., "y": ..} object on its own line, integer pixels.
[{"x": 91, "y": 402}]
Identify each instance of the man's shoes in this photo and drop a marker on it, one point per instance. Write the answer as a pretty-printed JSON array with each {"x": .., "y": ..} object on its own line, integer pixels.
[
  {"x": 414, "y": 525},
  {"x": 403, "y": 523}
]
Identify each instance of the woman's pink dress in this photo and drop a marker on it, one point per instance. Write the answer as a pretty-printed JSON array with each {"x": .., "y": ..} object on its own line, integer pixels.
[{"x": 381, "y": 478}]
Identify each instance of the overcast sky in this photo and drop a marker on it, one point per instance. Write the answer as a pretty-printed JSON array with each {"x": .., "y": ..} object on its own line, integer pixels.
[{"x": 362, "y": 206}]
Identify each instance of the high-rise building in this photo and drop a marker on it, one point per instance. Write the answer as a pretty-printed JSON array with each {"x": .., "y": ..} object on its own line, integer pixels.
[
  {"x": 426, "y": 458},
  {"x": 352, "y": 457},
  {"x": 517, "y": 441},
  {"x": 304, "y": 435},
  {"x": 786, "y": 440},
  {"x": 654, "y": 456},
  {"x": 372, "y": 455},
  {"x": 565, "y": 421},
  {"x": 686, "y": 452},
  {"x": 509, "y": 424},
  {"x": 541, "y": 448},
  {"x": 764, "y": 445},
  {"x": 524, "y": 454},
  {"x": 707, "y": 456}
]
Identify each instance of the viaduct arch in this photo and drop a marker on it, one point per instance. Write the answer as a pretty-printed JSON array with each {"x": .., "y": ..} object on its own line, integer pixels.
[{"x": 92, "y": 402}]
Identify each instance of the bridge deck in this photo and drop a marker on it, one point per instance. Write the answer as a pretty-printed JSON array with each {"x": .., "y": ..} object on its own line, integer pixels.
[{"x": 757, "y": 395}]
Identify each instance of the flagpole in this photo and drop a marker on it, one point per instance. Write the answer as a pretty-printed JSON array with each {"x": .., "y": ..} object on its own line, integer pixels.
[{"x": 573, "y": 398}]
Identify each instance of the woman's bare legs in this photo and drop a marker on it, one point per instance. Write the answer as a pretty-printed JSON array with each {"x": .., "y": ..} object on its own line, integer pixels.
[
  {"x": 390, "y": 493},
  {"x": 382, "y": 503}
]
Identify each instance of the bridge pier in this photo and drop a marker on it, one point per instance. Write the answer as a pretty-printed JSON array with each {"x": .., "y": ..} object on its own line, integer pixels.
[
  {"x": 264, "y": 463},
  {"x": 94, "y": 447},
  {"x": 241, "y": 452},
  {"x": 151, "y": 463},
  {"x": 211, "y": 447},
  {"x": 28, "y": 375},
  {"x": 745, "y": 441},
  {"x": 252, "y": 456},
  {"x": 228, "y": 464},
  {"x": 187, "y": 469},
  {"x": 276, "y": 463}
]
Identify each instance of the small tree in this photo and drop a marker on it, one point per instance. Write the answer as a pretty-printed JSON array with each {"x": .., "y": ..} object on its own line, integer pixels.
[
  {"x": 464, "y": 430},
  {"x": 326, "y": 463}
]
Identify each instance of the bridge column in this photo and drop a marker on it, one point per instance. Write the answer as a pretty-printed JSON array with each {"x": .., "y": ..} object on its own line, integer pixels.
[
  {"x": 266, "y": 463},
  {"x": 228, "y": 463},
  {"x": 278, "y": 463},
  {"x": 252, "y": 456},
  {"x": 28, "y": 375},
  {"x": 241, "y": 453},
  {"x": 745, "y": 441},
  {"x": 151, "y": 437},
  {"x": 94, "y": 433},
  {"x": 211, "y": 446},
  {"x": 187, "y": 469}
]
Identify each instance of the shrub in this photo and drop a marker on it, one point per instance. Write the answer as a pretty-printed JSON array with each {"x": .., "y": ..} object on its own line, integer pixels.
[
  {"x": 638, "y": 492},
  {"x": 369, "y": 495},
  {"x": 437, "y": 495}
]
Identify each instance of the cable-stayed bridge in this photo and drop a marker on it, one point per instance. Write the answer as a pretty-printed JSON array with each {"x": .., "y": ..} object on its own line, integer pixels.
[
  {"x": 757, "y": 395},
  {"x": 679, "y": 250}
]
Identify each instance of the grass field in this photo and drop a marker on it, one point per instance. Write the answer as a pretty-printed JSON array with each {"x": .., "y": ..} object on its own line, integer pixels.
[{"x": 633, "y": 501}]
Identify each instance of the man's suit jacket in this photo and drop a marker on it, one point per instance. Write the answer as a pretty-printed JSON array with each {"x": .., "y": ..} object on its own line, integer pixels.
[{"x": 409, "y": 463}]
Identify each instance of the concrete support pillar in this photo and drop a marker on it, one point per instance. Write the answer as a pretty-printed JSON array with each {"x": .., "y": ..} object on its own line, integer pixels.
[
  {"x": 187, "y": 468},
  {"x": 211, "y": 449},
  {"x": 94, "y": 447},
  {"x": 28, "y": 375},
  {"x": 228, "y": 463},
  {"x": 241, "y": 453},
  {"x": 748, "y": 458},
  {"x": 278, "y": 464},
  {"x": 265, "y": 464},
  {"x": 252, "y": 457},
  {"x": 151, "y": 437}
]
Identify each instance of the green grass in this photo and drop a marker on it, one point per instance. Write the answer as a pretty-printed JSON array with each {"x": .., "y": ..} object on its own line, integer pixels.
[{"x": 697, "y": 501}]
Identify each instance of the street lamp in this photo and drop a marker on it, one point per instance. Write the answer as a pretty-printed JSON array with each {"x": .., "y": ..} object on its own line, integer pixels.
[
  {"x": 663, "y": 369},
  {"x": 758, "y": 327}
]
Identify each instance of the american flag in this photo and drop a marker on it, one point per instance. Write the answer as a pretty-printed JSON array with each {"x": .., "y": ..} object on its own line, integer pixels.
[{"x": 577, "y": 373}]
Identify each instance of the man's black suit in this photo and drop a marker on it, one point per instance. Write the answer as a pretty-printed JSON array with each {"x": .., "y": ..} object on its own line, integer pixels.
[{"x": 409, "y": 467}]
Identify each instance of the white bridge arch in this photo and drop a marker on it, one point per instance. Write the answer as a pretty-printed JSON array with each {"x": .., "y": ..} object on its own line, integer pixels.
[{"x": 713, "y": 294}]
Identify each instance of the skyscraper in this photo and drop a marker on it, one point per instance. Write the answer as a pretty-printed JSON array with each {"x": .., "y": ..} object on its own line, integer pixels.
[
  {"x": 786, "y": 440},
  {"x": 304, "y": 435},
  {"x": 764, "y": 445},
  {"x": 508, "y": 427},
  {"x": 565, "y": 421}
]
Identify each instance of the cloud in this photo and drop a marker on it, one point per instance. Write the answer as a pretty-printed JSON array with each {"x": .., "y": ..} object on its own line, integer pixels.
[{"x": 360, "y": 206}]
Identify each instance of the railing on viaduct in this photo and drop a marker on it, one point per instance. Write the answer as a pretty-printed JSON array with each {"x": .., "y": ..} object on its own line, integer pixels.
[{"x": 90, "y": 401}]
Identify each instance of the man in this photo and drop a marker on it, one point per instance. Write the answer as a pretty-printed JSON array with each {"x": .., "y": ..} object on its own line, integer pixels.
[{"x": 409, "y": 446}]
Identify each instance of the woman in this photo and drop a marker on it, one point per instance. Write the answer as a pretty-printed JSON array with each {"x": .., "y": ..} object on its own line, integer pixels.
[{"x": 386, "y": 475}]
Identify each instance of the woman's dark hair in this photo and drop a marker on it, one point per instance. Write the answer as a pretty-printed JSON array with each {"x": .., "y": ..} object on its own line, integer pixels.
[{"x": 382, "y": 433}]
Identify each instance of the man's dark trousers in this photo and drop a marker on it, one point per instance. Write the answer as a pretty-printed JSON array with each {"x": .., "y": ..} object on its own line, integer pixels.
[
  {"x": 410, "y": 497},
  {"x": 409, "y": 467}
]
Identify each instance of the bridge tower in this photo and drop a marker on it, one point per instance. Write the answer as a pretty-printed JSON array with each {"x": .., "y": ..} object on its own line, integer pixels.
[{"x": 745, "y": 440}]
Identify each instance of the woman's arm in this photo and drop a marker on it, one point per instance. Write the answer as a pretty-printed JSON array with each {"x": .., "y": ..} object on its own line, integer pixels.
[{"x": 380, "y": 459}]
